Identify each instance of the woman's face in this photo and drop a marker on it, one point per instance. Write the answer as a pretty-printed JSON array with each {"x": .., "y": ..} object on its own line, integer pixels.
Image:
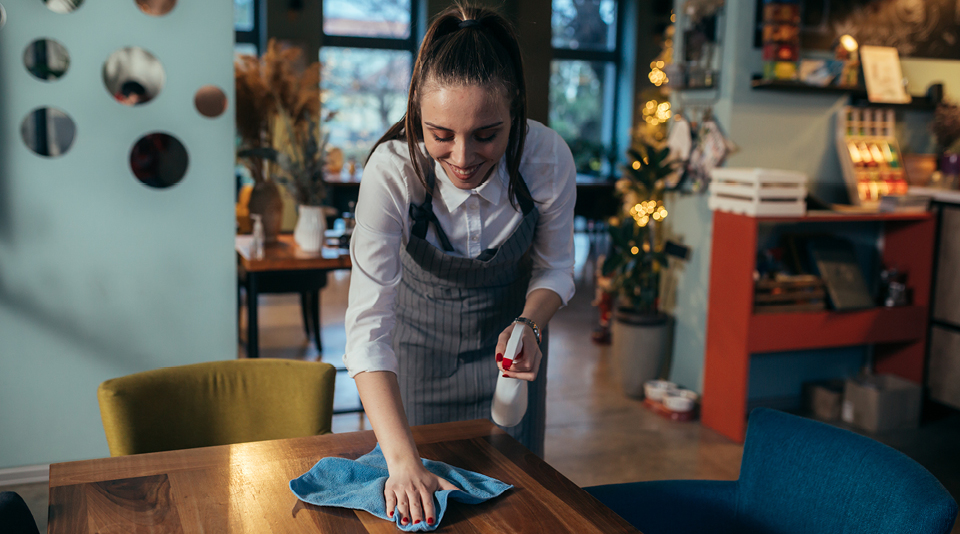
[{"x": 466, "y": 129}]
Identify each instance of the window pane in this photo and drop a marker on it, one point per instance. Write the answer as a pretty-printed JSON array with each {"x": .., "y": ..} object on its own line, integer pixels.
[
  {"x": 243, "y": 15},
  {"x": 367, "y": 18},
  {"x": 245, "y": 49},
  {"x": 585, "y": 24},
  {"x": 368, "y": 91},
  {"x": 578, "y": 110}
]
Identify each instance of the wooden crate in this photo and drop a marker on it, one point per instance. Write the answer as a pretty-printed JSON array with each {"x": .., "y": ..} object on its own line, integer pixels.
[
  {"x": 758, "y": 192},
  {"x": 787, "y": 294}
]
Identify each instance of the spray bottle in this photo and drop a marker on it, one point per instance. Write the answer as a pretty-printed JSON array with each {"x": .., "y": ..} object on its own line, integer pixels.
[
  {"x": 256, "y": 250},
  {"x": 510, "y": 397}
]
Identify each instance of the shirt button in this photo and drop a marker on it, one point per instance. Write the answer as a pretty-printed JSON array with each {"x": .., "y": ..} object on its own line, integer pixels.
[{"x": 474, "y": 238}]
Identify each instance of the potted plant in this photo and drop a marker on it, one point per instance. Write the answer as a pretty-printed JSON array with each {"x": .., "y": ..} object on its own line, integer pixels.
[
  {"x": 632, "y": 269},
  {"x": 946, "y": 130},
  {"x": 278, "y": 126}
]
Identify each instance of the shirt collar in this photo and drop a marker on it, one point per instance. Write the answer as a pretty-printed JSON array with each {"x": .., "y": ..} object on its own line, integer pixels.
[{"x": 491, "y": 190}]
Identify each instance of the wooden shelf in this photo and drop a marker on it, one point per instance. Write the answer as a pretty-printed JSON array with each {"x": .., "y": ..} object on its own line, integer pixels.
[
  {"x": 842, "y": 216},
  {"x": 735, "y": 333},
  {"x": 858, "y": 95},
  {"x": 776, "y": 332}
]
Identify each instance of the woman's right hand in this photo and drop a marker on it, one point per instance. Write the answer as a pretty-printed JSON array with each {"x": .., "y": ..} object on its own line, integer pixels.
[{"x": 410, "y": 490}]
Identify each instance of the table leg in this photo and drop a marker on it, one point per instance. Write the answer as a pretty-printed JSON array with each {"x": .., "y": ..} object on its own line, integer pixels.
[
  {"x": 253, "y": 350},
  {"x": 315, "y": 304},
  {"x": 305, "y": 312}
]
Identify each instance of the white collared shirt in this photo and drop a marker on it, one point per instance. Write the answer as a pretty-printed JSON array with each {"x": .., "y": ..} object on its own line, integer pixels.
[{"x": 473, "y": 220}]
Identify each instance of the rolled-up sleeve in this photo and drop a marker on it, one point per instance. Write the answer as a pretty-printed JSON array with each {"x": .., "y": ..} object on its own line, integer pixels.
[
  {"x": 375, "y": 255},
  {"x": 553, "y": 254}
]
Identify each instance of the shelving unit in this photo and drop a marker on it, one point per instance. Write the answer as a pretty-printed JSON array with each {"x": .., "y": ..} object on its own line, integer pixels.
[
  {"x": 735, "y": 332},
  {"x": 858, "y": 95}
]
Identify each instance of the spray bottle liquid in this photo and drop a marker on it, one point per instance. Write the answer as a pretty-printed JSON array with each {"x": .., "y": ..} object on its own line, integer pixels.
[
  {"x": 510, "y": 397},
  {"x": 256, "y": 250}
]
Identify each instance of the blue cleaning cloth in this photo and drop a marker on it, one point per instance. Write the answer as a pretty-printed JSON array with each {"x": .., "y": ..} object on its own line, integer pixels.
[{"x": 358, "y": 484}]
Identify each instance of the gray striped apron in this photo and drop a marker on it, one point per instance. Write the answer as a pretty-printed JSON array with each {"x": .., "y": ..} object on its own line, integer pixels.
[{"x": 450, "y": 312}]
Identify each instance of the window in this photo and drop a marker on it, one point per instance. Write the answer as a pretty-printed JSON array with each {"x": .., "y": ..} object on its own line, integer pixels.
[
  {"x": 247, "y": 27},
  {"x": 583, "y": 80},
  {"x": 367, "y": 55},
  {"x": 367, "y": 50}
]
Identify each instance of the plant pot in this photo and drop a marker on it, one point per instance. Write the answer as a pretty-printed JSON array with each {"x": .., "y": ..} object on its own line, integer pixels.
[
  {"x": 265, "y": 201},
  {"x": 311, "y": 225},
  {"x": 641, "y": 346}
]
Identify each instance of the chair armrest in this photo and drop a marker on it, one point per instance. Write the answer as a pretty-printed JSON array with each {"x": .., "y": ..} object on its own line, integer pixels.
[{"x": 673, "y": 506}]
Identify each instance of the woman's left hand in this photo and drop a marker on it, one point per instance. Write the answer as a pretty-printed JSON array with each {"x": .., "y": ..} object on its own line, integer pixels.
[{"x": 527, "y": 363}]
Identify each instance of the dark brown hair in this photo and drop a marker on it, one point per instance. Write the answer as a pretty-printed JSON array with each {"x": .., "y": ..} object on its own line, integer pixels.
[{"x": 485, "y": 53}]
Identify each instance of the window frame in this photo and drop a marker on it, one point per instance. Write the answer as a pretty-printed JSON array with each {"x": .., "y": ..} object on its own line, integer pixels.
[
  {"x": 409, "y": 44},
  {"x": 256, "y": 36},
  {"x": 613, "y": 92}
]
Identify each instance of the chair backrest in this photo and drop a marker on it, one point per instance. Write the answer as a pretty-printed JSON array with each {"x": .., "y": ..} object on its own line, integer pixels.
[
  {"x": 216, "y": 403},
  {"x": 804, "y": 476},
  {"x": 15, "y": 516}
]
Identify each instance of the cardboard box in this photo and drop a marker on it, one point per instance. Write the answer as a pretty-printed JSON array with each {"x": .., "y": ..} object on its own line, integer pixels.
[
  {"x": 881, "y": 402},
  {"x": 823, "y": 399}
]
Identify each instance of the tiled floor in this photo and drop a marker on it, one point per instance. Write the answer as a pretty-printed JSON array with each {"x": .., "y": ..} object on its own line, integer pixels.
[{"x": 595, "y": 435}]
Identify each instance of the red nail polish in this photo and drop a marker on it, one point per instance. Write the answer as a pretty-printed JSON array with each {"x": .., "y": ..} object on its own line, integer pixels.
[
  {"x": 390, "y": 514},
  {"x": 403, "y": 521},
  {"x": 507, "y": 362},
  {"x": 499, "y": 357},
  {"x": 505, "y": 375},
  {"x": 416, "y": 522},
  {"x": 429, "y": 520}
]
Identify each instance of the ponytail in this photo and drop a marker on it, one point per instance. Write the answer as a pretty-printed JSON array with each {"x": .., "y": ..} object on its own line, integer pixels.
[{"x": 467, "y": 45}]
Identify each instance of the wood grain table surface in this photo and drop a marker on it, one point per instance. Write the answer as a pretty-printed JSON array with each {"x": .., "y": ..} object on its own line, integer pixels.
[{"x": 244, "y": 488}]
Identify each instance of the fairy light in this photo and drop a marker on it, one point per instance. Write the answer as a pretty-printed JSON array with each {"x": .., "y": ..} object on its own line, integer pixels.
[
  {"x": 636, "y": 165},
  {"x": 663, "y": 112},
  {"x": 656, "y": 113},
  {"x": 657, "y": 77},
  {"x": 634, "y": 250}
]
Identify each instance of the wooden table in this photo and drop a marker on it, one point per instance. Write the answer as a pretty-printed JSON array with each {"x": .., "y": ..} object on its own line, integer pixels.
[
  {"x": 244, "y": 488},
  {"x": 285, "y": 268}
]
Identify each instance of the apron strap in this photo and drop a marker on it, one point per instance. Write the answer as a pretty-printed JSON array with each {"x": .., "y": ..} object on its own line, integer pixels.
[
  {"x": 423, "y": 214},
  {"x": 526, "y": 206},
  {"x": 524, "y": 196}
]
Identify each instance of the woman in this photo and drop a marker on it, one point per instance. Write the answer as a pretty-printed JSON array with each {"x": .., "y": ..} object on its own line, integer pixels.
[{"x": 464, "y": 227}]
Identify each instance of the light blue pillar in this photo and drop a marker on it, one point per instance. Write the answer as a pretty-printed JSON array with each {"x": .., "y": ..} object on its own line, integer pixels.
[{"x": 100, "y": 275}]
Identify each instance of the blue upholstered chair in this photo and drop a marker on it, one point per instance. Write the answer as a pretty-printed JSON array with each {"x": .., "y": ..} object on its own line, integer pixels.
[
  {"x": 797, "y": 476},
  {"x": 15, "y": 517}
]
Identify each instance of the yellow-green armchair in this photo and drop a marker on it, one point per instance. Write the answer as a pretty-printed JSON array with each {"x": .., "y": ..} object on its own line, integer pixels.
[{"x": 216, "y": 403}]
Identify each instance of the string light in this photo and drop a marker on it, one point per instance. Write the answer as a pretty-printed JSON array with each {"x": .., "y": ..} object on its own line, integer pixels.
[{"x": 656, "y": 113}]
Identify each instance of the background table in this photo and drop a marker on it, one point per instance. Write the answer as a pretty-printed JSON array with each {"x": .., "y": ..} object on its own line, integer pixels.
[
  {"x": 285, "y": 268},
  {"x": 244, "y": 488}
]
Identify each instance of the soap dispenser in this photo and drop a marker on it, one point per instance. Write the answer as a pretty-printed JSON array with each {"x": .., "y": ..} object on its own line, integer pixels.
[{"x": 256, "y": 249}]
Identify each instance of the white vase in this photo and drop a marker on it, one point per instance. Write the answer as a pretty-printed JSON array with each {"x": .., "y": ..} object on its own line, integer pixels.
[{"x": 311, "y": 225}]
